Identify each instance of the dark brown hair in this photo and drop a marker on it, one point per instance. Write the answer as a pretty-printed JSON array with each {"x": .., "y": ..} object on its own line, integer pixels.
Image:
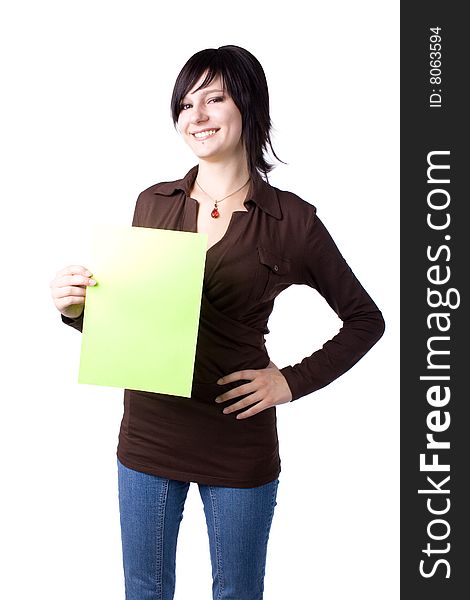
[{"x": 244, "y": 79}]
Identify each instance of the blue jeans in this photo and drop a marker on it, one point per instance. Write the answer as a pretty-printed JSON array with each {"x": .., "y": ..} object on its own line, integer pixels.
[{"x": 238, "y": 524}]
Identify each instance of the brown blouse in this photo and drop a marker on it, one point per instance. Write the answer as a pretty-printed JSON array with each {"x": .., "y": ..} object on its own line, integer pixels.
[{"x": 277, "y": 242}]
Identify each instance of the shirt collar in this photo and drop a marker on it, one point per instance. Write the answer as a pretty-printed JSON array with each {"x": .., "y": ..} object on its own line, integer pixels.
[{"x": 261, "y": 192}]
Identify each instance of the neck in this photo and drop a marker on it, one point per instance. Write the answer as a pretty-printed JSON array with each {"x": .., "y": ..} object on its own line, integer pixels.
[{"x": 221, "y": 178}]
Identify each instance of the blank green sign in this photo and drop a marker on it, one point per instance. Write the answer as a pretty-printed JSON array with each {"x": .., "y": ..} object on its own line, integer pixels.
[{"x": 141, "y": 318}]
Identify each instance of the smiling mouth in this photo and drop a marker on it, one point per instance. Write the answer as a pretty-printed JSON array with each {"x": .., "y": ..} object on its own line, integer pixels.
[{"x": 203, "y": 135}]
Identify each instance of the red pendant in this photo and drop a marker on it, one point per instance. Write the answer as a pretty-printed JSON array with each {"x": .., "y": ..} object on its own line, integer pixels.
[{"x": 215, "y": 213}]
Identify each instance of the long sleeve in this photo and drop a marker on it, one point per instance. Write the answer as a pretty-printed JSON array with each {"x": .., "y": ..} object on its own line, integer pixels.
[
  {"x": 326, "y": 271},
  {"x": 75, "y": 323}
]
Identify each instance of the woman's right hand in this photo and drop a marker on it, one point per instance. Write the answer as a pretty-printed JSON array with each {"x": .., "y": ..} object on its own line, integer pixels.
[{"x": 68, "y": 290}]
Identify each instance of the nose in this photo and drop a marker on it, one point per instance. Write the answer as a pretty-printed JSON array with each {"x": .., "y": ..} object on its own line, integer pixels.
[{"x": 198, "y": 114}]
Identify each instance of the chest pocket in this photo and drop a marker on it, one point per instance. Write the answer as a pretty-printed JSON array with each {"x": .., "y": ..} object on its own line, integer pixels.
[{"x": 272, "y": 275}]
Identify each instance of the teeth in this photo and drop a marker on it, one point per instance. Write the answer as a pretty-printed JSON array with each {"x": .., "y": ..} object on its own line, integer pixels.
[{"x": 204, "y": 133}]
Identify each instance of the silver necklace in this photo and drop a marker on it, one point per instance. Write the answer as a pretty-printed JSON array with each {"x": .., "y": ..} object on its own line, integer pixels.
[{"x": 215, "y": 211}]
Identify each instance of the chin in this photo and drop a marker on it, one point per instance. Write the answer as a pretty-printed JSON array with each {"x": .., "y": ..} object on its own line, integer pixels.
[{"x": 199, "y": 152}]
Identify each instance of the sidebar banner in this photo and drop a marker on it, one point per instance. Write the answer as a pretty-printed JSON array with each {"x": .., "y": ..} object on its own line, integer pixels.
[{"x": 435, "y": 259}]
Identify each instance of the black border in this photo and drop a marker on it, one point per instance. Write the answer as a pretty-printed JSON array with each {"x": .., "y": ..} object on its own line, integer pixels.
[{"x": 425, "y": 129}]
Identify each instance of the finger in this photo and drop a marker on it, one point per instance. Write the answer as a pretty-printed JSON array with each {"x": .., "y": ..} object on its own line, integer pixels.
[
  {"x": 246, "y": 388},
  {"x": 77, "y": 280},
  {"x": 248, "y": 401},
  {"x": 69, "y": 280},
  {"x": 70, "y": 285},
  {"x": 74, "y": 270},
  {"x": 254, "y": 410},
  {"x": 69, "y": 291},
  {"x": 66, "y": 302},
  {"x": 246, "y": 374}
]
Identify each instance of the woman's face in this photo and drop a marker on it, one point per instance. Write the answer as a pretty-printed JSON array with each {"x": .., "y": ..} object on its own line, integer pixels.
[{"x": 211, "y": 123}]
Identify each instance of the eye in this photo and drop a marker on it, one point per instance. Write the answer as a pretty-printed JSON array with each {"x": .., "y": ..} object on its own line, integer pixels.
[
  {"x": 217, "y": 99},
  {"x": 184, "y": 106}
]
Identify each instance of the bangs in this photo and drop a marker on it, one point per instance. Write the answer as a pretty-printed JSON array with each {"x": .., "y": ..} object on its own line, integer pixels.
[
  {"x": 206, "y": 61},
  {"x": 208, "y": 79}
]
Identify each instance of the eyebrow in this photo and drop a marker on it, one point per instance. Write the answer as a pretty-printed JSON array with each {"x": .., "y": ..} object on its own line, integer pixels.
[{"x": 204, "y": 93}]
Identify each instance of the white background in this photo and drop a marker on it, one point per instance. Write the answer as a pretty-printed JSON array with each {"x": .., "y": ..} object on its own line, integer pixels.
[{"x": 85, "y": 126}]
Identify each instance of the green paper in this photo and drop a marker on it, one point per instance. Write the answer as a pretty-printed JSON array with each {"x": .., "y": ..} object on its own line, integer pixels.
[{"x": 141, "y": 318}]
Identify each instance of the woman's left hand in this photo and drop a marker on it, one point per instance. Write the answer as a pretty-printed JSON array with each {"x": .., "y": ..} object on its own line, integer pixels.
[{"x": 266, "y": 388}]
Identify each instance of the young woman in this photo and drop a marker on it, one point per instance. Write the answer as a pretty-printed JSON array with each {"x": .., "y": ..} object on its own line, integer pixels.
[{"x": 260, "y": 241}]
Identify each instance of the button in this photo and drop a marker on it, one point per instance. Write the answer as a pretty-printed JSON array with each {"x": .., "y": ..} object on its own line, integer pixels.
[{"x": 276, "y": 268}]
